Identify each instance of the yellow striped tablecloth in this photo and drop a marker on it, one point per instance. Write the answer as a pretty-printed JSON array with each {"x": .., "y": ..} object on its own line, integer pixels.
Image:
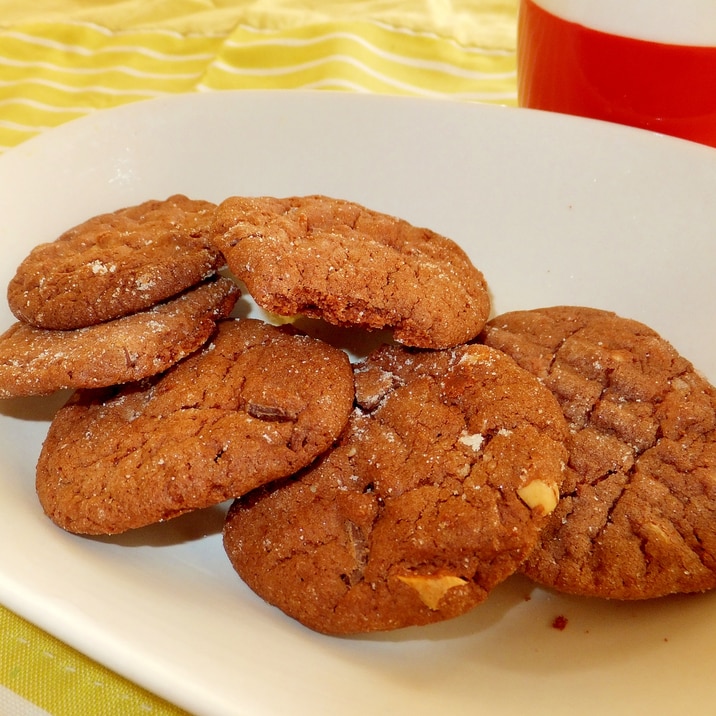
[{"x": 61, "y": 59}]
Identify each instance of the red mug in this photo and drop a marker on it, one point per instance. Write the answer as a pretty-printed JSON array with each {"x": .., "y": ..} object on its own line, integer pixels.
[{"x": 645, "y": 63}]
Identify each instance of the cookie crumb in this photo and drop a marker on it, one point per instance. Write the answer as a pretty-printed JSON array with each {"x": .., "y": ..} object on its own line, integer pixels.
[{"x": 560, "y": 622}]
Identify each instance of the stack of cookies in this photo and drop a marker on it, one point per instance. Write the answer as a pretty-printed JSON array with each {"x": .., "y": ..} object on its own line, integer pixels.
[
  {"x": 568, "y": 443},
  {"x": 121, "y": 297}
]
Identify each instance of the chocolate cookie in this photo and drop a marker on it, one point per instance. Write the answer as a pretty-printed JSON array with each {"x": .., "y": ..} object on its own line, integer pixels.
[
  {"x": 115, "y": 264},
  {"x": 436, "y": 493},
  {"x": 637, "y": 517},
  {"x": 37, "y": 361},
  {"x": 254, "y": 405},
  {"x": 338, "y": 261}
]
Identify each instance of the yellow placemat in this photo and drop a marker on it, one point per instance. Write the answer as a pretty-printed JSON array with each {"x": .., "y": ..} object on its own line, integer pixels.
[
  {"x": 40, "y": 674},
  {"x": 61, "y": 59},
  {"x": 58, "y": 64},
  {"x": 480, "y": 23}
]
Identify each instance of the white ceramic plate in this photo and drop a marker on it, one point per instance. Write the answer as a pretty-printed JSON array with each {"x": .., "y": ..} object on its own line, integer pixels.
[{"x": 554, "y": 210}]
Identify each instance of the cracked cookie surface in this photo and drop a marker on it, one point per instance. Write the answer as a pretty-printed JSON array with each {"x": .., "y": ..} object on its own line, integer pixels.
[
  {"x": 638, "y": 511},
  {"x": 38, "y": 361},
  {"x": 115, "y": 264},
  {"x": 436, "y": 492},
  {"x": 256, "y": 404},
  {"x": 351, "y": 266}
]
